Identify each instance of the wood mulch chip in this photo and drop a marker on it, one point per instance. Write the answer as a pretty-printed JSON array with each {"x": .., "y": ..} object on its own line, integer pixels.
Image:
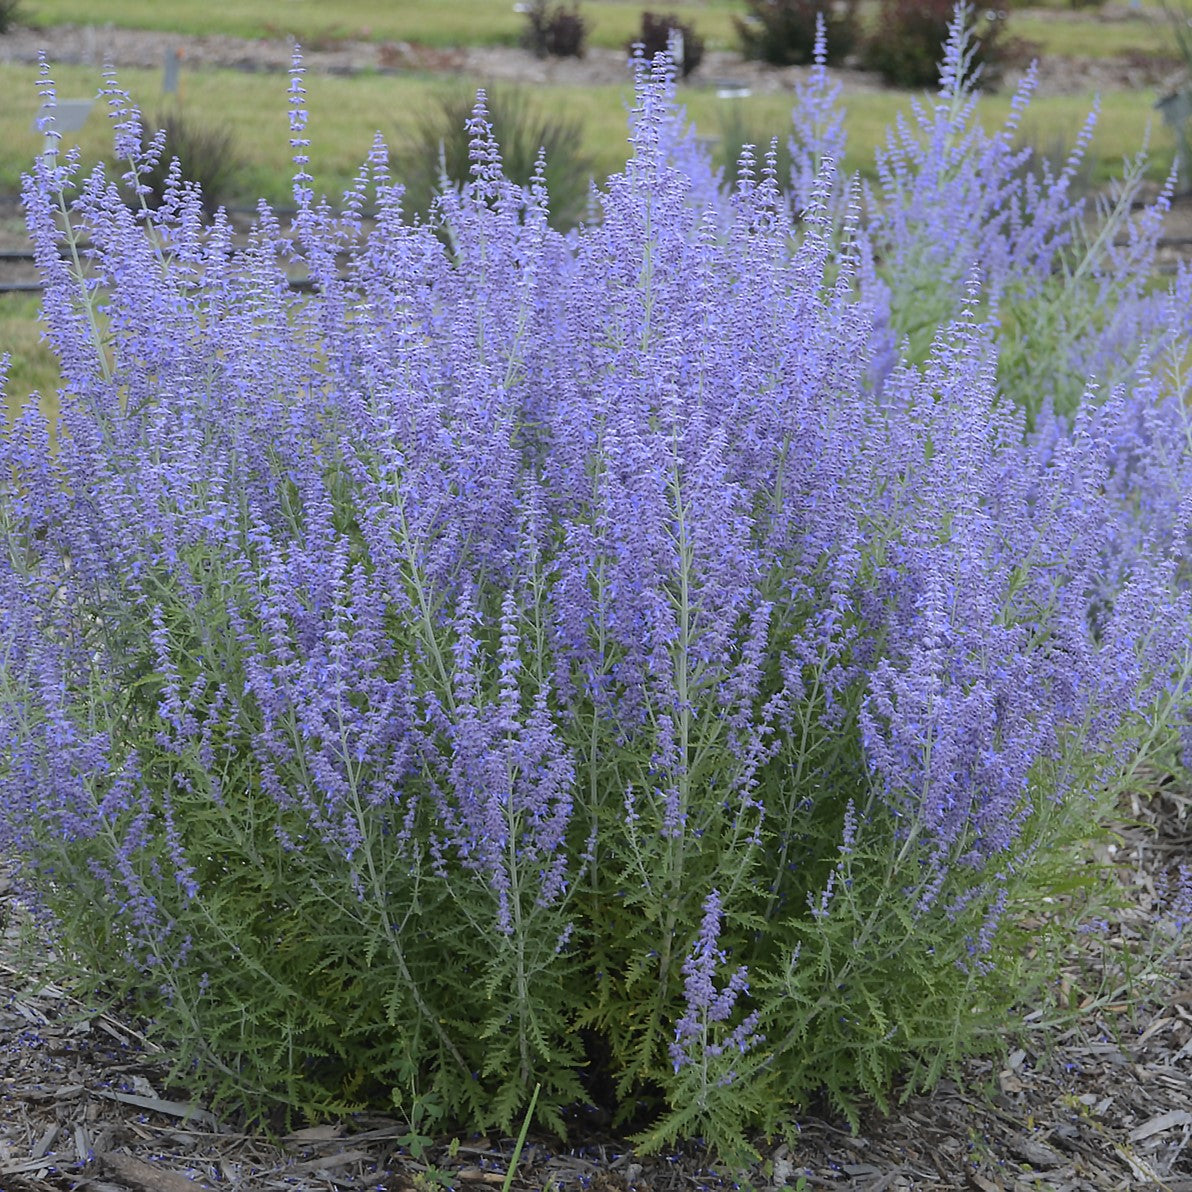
[{"x": 1102, "y": 1102}]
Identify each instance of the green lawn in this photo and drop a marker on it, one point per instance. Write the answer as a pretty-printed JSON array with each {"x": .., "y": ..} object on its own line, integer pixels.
[
  {"x": 612, "y": 23},
  {"x": 431, "y": 22},
  {"x": 345, "y": 113},
  {"x": 33, "y": 366},
  {"x": 1147, "y": 33}
]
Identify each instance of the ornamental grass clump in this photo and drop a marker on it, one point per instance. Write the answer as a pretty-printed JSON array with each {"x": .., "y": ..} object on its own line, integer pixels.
[
  {"x": 623, "y": 665},
  {"x": 205, "y": 155},
  {"x": 435, "y": 156}
]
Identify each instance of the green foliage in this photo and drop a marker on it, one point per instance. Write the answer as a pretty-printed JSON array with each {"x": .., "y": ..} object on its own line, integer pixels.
[
  {"x": 12, "y": 13},
  {"x": 782, "y": 32},
  {"x": 296, "y": 965},
  {"x": 437, "y": 151},
  {"x": 1072, "y": 306},
  {"x": 1054, "y": 150},
  {"x": 737, "y": 130},
  {"x": 1178, "y": 14},
  {"x": 863, "y": 983},
  {"x": 521, "y": 1140},
  {"x": 327, "y": 983}
]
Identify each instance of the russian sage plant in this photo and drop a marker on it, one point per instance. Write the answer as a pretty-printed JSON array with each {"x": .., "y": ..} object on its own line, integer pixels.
[
  {"x": 1070, "y": 298},
  {"x": 636, "y": 664}
]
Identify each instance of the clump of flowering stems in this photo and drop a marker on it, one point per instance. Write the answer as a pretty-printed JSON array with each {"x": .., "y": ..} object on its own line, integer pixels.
[{"x": 637, "y": 660}]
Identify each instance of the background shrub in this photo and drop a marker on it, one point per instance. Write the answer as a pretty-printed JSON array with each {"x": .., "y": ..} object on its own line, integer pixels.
[
  {"x": 737, "y": 131},
  {"x": 1052, "y": 152},
  {"x": 655, "y": 38},
  {"x": 11, "y": 14},
  {"x": 555, "y": 30},
  {"x": 1178, "y": 14},
  {"x": 206, "y": 157},
  {"x": 905, "y": 44},
  {"x": 439, "y": 149},
  {"x": 783, "y": 32}
]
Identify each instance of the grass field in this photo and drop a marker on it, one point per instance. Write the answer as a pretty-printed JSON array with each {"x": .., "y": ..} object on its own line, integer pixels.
[
  {"x": 612, "y": 23},
  {"x": 345, "y": 113},
  {"x": 430, "y": 22},
  {"x": 33, "y": 366},
  {"x": 1147, "y": 34}
]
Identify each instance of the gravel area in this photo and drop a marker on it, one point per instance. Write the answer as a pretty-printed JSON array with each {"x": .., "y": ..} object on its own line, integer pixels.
[{"x": 100, "y": 44}]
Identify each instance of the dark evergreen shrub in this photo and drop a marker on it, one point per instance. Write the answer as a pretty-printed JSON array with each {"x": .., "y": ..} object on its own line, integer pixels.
[
  {"x": 555, "y": 30},
  {"x": 906, "y": 45},
  {"x": 782, "y": 32},
  {"x": 656, "y": 34}
]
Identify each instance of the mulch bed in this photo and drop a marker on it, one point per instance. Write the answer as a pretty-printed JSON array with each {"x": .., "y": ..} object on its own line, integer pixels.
[{"x": 1103, "y": 1102}]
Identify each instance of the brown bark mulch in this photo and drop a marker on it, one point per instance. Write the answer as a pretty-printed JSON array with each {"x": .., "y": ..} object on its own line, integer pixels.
[{"x": 1103, "y": 1101}]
